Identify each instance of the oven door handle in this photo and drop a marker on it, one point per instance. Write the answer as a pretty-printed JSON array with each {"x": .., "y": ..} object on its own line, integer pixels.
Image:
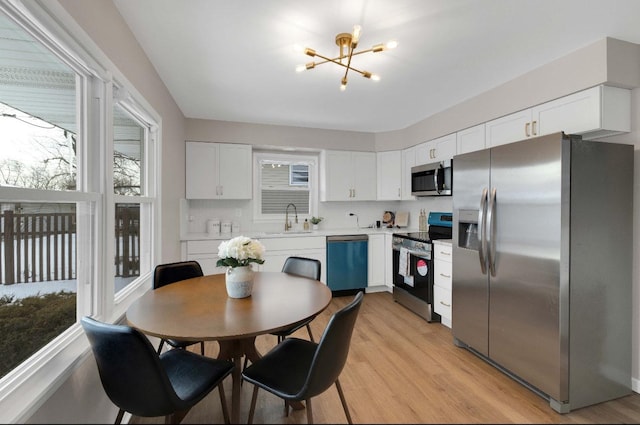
[{"x": 418, "y": 254}]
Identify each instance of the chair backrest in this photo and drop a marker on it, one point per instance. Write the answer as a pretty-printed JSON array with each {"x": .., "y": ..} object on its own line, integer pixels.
[
  {"x": 301, "y": 266},
  {"x": 164, "y": 274},
  {"x": 130, "y": 369},
  {"x": 332, "y": 351}
]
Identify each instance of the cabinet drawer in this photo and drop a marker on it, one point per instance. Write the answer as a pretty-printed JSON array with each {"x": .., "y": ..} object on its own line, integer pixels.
[
  {"x": 442, "y": 252},
  {"x": 203, "y": 247},
  {"x": 442, "y": 274},
  {"x": 442, "y": 304}
]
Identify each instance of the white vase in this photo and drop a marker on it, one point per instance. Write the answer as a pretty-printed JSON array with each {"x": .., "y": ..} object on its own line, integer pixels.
[
  {"x": 239, "y": 281},
  {"x": 314, "y": 227}
]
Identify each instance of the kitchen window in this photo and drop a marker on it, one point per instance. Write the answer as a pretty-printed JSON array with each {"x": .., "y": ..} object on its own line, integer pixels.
[{"x": 283, "y": 179}]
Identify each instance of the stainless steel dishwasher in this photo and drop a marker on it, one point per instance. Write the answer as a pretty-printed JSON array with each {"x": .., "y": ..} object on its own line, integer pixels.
[{"x": 347, "y": 263}]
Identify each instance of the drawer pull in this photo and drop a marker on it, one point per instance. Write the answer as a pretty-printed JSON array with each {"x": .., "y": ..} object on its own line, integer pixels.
[
  {"x": 445, "y": 253},
  {"x": 445, "y": 275},
  {"x": 445, "y": 304}
]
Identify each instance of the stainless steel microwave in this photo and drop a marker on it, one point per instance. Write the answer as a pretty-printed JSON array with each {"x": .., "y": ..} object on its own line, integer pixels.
[{"x": 433, "y": 179}]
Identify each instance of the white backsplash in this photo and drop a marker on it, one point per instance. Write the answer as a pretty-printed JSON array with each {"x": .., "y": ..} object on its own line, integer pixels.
[{"x": 195, "y": 213}]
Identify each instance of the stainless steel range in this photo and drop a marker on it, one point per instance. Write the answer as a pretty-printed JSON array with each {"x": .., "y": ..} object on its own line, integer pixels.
[{"x": 413, "y": 265}]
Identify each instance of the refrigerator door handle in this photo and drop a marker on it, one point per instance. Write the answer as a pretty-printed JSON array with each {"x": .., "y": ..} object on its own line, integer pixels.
[
  {"x": 482, "y": 231},
  {"x": 491, "y": 232}
]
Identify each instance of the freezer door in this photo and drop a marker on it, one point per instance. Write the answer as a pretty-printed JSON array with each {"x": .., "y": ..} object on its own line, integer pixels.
[
  {"x": 524, "y": 227},
  {"x": 470, "y": 281}
]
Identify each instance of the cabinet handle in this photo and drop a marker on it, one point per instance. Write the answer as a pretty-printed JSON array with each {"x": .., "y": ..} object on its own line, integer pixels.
[
  {"x": 221, "y": 190},
  {"x": 533, "y": 128},
  {"x": 526, "y": 129},
  {"x": 445, "y": 253},
  {"x": 399, "y": 194},
  {"x": 354, "y": 193},
  {"x": 445, "y": 304},
  {"x": 445, "y": 275}
]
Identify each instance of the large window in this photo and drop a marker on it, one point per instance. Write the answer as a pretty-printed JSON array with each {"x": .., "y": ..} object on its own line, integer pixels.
[
  {"x": 281, "y": 180},
  {"x": 77, "y": 166}
]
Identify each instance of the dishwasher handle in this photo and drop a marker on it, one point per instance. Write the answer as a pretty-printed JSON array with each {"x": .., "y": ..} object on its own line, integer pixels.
[{"x": 347, "y": 238}]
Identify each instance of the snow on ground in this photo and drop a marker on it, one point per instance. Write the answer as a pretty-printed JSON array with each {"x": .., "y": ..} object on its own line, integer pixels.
[{"x": 22, "y": 290}]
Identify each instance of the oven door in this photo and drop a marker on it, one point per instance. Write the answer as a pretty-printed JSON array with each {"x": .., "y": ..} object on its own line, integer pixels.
[{"x": 419, "y": 279}]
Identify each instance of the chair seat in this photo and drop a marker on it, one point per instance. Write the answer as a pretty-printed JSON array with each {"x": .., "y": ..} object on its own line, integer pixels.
[
  {"x": 176, "y": 343},
  {"x": 192, "y": 375},
  {"x": 283, "y": 371}
]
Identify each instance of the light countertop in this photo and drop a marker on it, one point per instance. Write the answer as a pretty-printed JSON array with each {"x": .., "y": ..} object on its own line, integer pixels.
[{"x": 295, "y": 234}]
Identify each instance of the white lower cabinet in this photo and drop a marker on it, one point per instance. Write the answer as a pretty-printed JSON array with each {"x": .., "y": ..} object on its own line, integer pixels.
[
  {"x": 277, "y": 250},
  {"x": 442, "y": 269},
  {"x": 376, "y": 262}
]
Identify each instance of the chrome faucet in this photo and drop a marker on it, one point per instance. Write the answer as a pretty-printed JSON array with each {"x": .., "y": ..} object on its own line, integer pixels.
[{"x": 287, "y": 223}]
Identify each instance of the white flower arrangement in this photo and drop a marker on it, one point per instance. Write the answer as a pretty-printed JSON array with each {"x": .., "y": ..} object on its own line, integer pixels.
[{"x": 240, "y": 251}]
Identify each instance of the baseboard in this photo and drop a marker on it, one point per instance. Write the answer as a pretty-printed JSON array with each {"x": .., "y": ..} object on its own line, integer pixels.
[{"x": 635, "y": 385}]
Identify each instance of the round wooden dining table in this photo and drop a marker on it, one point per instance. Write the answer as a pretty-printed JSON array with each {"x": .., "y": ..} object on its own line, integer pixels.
[{"x": 199, "y": 309}]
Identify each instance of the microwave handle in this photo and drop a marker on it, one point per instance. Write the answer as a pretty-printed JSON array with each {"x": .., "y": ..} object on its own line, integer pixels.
[{"x": 435, "y": 181}]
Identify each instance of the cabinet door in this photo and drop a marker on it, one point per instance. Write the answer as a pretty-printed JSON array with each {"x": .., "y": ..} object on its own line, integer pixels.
[
  {"x": 364, "y": 176},
  {"x": 424, "y": 153},
  {"x": 444, "y": 147},
  {"x": 389, "y": 176},
  {"x": 507, "y": 129},
  {"x": 470, "y": 139},
  {"x": 408, "y": 161},
  {"x": 235, "y": 171},
  {"x": 436, "y": 150},
  {"x": 338, "y": 175},
  {"x": 376, "y": 263},
  {"x": 201, "y": 168}
]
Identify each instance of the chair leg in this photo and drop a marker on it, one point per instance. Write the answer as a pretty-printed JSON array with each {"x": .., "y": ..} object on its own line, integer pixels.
[
  {"x": 309, "y": 411},
  {"x": 252, "y": 409},
  {"x": 119, "y": 417},
  {"x": 343, "y": 401},
  {"x": 160, "y": 346},
  {"x": 223, "y": 400},
  {"x": 202, "y": 347},
  {"x": 310, "y": 334},
  {"x": 176, "y": 418}
]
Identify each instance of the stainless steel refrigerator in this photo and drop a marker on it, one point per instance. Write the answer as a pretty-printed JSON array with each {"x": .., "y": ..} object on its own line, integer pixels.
[{"x": 542, "y": 264}]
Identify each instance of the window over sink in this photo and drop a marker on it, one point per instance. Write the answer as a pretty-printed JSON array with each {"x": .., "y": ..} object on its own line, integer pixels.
[{"x": 283, "y": 179}]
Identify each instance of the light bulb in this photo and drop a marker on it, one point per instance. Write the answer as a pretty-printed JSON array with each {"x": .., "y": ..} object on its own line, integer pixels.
[
  {"x": 301, "y": 68},
  {"x": 355, "y": 37},
  {"x": 343, "y": 87},
  {"x": 375, "y": 77},
  {"x": 391, "y": 44}
]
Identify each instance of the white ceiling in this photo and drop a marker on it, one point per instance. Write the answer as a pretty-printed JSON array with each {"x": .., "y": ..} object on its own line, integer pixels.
[{"x": 234, "y": 60}]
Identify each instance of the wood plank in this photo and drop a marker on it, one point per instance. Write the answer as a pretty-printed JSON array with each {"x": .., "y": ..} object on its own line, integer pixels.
[{"x": 402, "y": 369}]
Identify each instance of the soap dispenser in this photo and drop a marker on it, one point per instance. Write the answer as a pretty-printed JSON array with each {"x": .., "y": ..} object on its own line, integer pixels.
[{"x": 306, "y": 224}]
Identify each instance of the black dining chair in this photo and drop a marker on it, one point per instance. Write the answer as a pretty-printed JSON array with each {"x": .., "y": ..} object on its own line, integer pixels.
[
  {"x": 166, "y": 274},
  {"x": 297, "y": 369},
  {"x": 139, "y": 381},
  {"x": 304, "y": 267}
]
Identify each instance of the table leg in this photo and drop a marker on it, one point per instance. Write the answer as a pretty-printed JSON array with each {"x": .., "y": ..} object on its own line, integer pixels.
[{"x": 234, "y": 350}]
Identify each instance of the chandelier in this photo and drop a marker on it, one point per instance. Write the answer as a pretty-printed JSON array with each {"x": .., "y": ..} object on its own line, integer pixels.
[{"x": 347, "y": 43}]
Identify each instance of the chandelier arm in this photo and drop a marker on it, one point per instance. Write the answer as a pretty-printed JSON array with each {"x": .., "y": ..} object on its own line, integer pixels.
[
  {"x": 326, "y": 59},
  {"x": 346, "y": 71}
]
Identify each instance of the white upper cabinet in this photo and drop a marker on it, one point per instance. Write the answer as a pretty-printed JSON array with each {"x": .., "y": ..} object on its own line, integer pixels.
[
  {"x": 348, "y": 176},
  {"x": 596, "y": 112},
  {"x": 470, "y": 139},
  {"x": 218, "y": 171},
  {"x": 436, "y": 150},
  {"x": 408, "y": 161},
  {"x": 389, "y": 176}
]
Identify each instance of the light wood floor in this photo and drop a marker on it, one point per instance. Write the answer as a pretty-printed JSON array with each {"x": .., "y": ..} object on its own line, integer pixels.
[{"x": 402, "y": 369}]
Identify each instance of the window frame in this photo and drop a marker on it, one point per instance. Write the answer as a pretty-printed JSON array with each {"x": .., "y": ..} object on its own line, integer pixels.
[
  {"x": 25, "y": 388},
  {"x": 292, "y": 158}
]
